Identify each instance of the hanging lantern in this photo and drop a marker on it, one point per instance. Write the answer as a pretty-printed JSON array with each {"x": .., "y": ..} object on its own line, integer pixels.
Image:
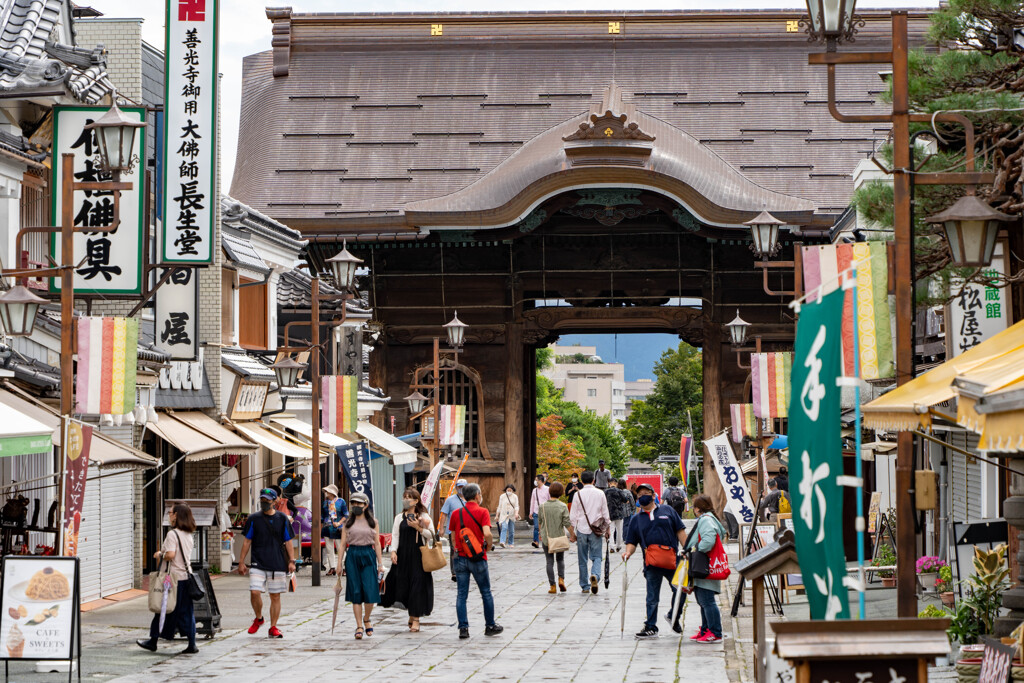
[
  {"x": 18, "y": 308},
  {"x": 417, "y": 402},
  {"x": 764, "y": 228},
  {"x": 971, "y": 226},
  {"x": 343, "y": 266},
  {"x": 115, "y": 137},
  {"x": 738, "y": 330},
  {"x": 287, "y": 372},
  {"x": 831, "y": 21},
  {"x": 456, "y": 331}
]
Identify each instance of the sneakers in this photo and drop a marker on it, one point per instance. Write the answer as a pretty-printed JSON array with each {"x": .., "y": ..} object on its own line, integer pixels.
[
  {"x": 593, "y": 584},
  {"x": 274, "y": 632},
  {"x": 553, "y": 589},
  {"x": 256, "y": 623},
  {"x": 647, "y": 632},
  {"x": 709, "y": 638},
  {"x": 493, "y": 630},
  {"x": 700, "y": 634},
  {"x": 463, "y": 633}
]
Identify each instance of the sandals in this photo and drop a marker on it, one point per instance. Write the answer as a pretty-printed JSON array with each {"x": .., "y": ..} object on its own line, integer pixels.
[
  {"x": 414, "y": 627},
  {"x": 359, "y": 634},
  {"x": 369, "y": 628}
]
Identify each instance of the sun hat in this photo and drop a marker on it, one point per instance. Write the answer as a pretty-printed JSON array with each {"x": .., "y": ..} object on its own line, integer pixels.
[{"x": 331, "y": 489}]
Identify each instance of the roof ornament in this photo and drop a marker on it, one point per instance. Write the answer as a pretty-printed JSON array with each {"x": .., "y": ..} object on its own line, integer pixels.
[{"x": 609, "y": 121}]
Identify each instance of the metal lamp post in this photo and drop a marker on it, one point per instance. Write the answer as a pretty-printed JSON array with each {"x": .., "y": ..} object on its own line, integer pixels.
[
  {"x": 343, "y": 267},
  {"x": 18, "y": 306}
]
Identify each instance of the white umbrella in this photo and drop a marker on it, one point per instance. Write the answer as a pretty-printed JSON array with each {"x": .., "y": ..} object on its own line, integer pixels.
[
  {"x": 168, "y": 586},
  {"x": 625, "y": 584}
]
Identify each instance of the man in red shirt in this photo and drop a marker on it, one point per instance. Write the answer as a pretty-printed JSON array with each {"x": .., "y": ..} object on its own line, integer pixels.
[{"x": 477, "y": 521}]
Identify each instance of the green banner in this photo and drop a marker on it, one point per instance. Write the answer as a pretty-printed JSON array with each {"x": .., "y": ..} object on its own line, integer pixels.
[
  {"x": 25, "y": 445},
  {"x": 816, "y": 458}
]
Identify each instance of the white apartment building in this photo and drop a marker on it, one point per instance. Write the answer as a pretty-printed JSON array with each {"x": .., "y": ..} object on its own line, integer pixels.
[{"x": 586, "y": 380}]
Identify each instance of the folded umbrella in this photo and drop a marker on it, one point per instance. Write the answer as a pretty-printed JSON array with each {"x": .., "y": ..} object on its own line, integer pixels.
[
  {"x": 337, "y": 598},
  {"x": 622, "y": 612},
  {"x": 163, "y": 602},
  {"x": 607, "y": 556}
]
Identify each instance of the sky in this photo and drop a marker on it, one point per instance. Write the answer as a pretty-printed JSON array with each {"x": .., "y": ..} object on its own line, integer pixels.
[{"x": 245, "y": 30}]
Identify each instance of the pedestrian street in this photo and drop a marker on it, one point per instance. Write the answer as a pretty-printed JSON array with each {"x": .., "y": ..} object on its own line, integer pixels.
[{"x": 568, "y": 636}]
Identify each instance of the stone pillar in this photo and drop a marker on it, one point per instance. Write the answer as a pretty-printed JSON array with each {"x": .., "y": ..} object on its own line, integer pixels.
[{"x": 514, "y": 418}]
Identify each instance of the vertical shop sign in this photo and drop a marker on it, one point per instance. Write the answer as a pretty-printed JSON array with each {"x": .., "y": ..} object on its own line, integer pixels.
[
  {"x": 355, "y": 459},
  {"x": 76, "y": 467},
  {"x": 190, "y": 128},
  {"x": 978, "y": 312},
  {"x": 177, "y": 324},
  {"x": 107, "y": 262}
]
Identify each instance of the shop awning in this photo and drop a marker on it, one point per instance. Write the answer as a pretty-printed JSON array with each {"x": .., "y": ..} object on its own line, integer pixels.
[
  {"x": 907, "y": 407},
  {"x": 104, "y": 452},
  {"x": 198, "y": 436},
  {"x": 991, "y": 403},
  {"x": 22, "y": 435},
  {"x": 400, "y": 452},
  {"x": 327, "y": 440},
  {"x": 258, "y": 433}
]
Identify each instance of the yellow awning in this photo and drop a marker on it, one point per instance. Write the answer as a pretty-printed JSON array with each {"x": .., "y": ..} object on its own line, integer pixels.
[
  {"x": 327, "y": 440},
  {"x": 907, "y": 407},
  {"x": 198, "y": 436}
]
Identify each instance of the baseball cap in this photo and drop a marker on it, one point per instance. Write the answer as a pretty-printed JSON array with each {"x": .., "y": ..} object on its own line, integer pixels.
[
  {"x": 359, "y": 497},
  {"x": 268, "y": 494},
  {"x": 460, "y": 483},
  {"x": 644, "y": 486}
]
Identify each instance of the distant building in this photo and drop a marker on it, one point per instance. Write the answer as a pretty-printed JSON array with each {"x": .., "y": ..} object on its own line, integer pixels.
[
  {"x": 637, "y": 391},
  {"x": 587, "y": 380}
]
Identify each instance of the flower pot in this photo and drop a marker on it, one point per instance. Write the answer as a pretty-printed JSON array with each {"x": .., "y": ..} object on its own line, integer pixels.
[
  {"x": 948, "y": 598},
  {"x": 888, "y": 581},
  {"x": 927, "y": 580}
]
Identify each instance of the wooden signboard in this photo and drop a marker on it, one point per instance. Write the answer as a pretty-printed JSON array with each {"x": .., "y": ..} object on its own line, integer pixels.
[
  {"x": 864, "y": 671},
  {"x": 996, "y": 662},
  {"x": 248, "y": 399},
  {"x": 790, "y": 582},
  {"x": 876, "y": 500}
]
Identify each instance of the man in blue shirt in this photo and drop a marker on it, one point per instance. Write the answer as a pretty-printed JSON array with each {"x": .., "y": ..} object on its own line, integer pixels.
[
  {"x": 269, "y": 534},
  {"x": 654, "y": 525},
  {"x": 454, "y": 503}
]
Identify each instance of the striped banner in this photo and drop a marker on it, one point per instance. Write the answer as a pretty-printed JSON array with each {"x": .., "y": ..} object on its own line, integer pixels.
[
  {"x": 452, "y": 425},
  {"x": 769, "y": 380},
  {"x": 108, "y": 352},
  {"x": 339, "y": 411},
  {"x": 685, "y": 457},
  {"x": 743, "y": 423},
  {"x": 822, "y": 265}
]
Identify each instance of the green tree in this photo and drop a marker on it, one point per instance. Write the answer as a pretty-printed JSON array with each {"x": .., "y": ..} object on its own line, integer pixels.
[
  {"x": 655, "y": 424},
  {"x": 980, "y": 69},
  {"x": 592, "y": 434}
]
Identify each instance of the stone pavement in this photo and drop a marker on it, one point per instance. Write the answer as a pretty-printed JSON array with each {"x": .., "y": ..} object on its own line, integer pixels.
[{"x": 563, "y": 637}]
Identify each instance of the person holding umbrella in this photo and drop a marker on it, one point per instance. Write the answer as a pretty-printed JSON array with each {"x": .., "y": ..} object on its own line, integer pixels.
[
  {"x": 364, "y": 565},
  {"x": 658, "y": 530},
  {"x": 176, "y": 552}
]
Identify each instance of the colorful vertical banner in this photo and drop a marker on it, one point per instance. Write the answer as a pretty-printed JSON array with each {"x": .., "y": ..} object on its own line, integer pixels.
[
  {"x": 822, "y": 267},
  {"x": 355, "y": 460},
  {"x": 743, "y": 423},
  {"x": 815, "y": 453},
  {"x": 685, "y": 457},
  {"x": 76, "y": 468},
  {"x": 108, "y": 353},
  {"x": 452, "y": 425},
  {"x": 769, "y": 381},
  {"x": 190, "y": 131},
  {"x": 339, "y": 413},
  {"x": 736, "y": 492}
]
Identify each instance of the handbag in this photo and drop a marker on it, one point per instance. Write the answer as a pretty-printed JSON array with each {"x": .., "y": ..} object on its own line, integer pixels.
[
  {"x": 195, "y": 588},
  {"x": 719, "y": 560},
  {"x": 432, "y": 555},
  {"x": 657, "y": 555},
  {"x": 156, "y": 590},
  {"x": 601, "y": 528},
  {"x": 558, "y": 544}
]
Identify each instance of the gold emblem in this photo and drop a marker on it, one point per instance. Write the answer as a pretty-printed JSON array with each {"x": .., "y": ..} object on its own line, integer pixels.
[
  {"x": 614, "y": 27},
  {"x": 437, "y": 29},
  {"x": 792, "y": 26},
  {"x": 608, "y": 132}
]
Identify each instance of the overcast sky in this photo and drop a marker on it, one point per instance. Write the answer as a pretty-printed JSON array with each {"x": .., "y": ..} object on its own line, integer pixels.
[{"x": 245, "y": 30}]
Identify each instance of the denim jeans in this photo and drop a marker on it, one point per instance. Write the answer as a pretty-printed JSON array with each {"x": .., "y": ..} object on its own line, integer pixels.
[
  {"x": 710, "y": 617},
  {"x": 508, "y": 532},
  {"x": 536, "y": 528},
  {"x": 654, "y": 575},
  {"x": 589, "y": 547},
  {"x": 463, "y": 569}
]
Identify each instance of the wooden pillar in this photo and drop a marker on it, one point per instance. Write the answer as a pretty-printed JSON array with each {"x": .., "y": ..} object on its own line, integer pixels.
[
  {"x": 712, "y": 367},
  {"x": 529, "y": 421},
  {"x": 514, "y": 422},
  {"x": 759, "y": 637}
]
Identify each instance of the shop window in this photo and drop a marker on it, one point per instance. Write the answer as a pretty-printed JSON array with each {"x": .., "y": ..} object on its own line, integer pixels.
[{"x": 252, "y": 314}]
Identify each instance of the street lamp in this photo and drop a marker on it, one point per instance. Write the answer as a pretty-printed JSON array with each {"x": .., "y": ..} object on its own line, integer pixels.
[
  {"x": 287, "y": 372},
  {"x": 115, "y": 136},
  {"x": 970, "y": 226},
  {"x": 18, "y": 308},
  {"x": 764, "y": 228},
  {"x": 738, "y": 330},
  {"x": 417, "y": 402},
  {"x": 831, "y": 21},
  {"x": 456, "y": 331},
  {"x": 343, "y": 266}
]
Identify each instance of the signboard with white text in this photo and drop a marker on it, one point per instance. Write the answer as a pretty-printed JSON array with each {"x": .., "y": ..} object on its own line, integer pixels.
[
  {"x": 190, "y": 132},
  {"x": 977, "y": 312},
  {"x": 736, "y": 492},
  {"x": 177, "y": 325},
  {"x": 110, "y": 262}
]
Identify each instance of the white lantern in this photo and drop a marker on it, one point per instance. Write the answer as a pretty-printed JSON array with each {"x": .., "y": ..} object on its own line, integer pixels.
[
  {"x": 971, "y": 227},
  {"x": 343, "y": 266},
  {"x": 831, "y": 20},
  {"x": 456, "y": 331},
  {"x": 738, "y": 330},
  {"x": 764, "y": 228},
  {"x": 115, "y": 136}
]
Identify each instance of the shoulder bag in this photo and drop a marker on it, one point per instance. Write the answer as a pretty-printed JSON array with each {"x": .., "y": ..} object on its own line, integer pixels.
[
  {"x": 195, "y": 587},
  {"x": 431, "y": 555},
  {"x": 556, "y": 544},
  {"x": 601, "y": 528},
  {"x": 156, "y": 590},
  {"x": 657, "y": 555},
  {"x": 474, "y": 546}
]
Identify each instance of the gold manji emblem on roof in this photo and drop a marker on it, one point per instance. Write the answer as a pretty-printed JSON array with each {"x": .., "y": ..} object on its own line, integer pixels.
[
  {"x": 792, "y": 26},
  {"x": 437, "y": 29},
  {"x": 614, "y": 27}
]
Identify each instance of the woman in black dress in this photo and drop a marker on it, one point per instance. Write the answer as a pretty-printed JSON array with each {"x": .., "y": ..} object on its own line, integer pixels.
[{"x": 407, "y": 584}]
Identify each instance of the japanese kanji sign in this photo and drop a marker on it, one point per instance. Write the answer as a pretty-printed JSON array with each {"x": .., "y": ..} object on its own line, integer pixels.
[
  {"x": 190, "y": 127},
  {"x": 815, "y": 452},
  {"x": 736, "y": 492},
  {"x": 177, "y": 326},
  {"x": 355, "y": 459},
  {"x": 76, "y": 467},
  {"x": 110, "y": 262},
  {"x": 979, "y": 312}
]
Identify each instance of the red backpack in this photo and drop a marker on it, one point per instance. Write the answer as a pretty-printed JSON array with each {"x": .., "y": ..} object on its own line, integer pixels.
[{"x": 470, "y": 542}]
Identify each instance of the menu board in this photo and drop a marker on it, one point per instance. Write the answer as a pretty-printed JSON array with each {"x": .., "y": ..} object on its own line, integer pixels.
[{"x": 38, "y": 607}]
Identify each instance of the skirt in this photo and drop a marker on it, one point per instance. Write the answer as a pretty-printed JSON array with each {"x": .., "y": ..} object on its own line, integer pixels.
[{"x": 361, "y": 585}]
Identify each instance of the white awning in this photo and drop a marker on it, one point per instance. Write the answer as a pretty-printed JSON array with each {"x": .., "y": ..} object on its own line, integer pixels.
[
  {"x": 198, "y": 436},
  {"x": 264, "y": 437},
  {"x": 400, "y": 452},
  {"x": 306, "y": 430}
]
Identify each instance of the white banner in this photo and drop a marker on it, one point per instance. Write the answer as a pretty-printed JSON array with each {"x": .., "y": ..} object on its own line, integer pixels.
[
  {"x": 430, "y": 485},
  {"x": 190, "y": 128},
  {"x": 736, "y": 491},
  {"x": 177, "y": 327},
  {"x": 112, "y": 260},
  {"x": 979, "y": 312}
]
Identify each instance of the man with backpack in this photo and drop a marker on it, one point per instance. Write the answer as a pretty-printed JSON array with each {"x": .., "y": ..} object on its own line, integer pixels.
[
  {"x": 675, "y": 496},
  {"x": 470, "y": 527},
  {"x": 268, "y": 533}
]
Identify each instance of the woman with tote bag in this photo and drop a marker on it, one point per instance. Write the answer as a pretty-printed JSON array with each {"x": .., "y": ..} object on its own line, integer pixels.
[
  {"x": 408, "y": 583},
  {"x": 507, "y": 514},
  {"x": 555, "y": 534},
  {"x": 175, "y": 558}
]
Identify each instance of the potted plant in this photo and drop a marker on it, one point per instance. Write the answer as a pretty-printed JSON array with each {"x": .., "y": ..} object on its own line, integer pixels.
[
  {"x": 977, "y": 612},
  {"x": 928, "y": 571},
  {"x": 885, "y": 557},
  {"x": 944, "y": 586}
]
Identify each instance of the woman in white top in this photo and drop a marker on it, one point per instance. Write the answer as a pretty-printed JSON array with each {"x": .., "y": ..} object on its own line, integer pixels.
[
  {"x": 176, "y": 553},
  {"x": 407, "y": 583},
  {"x": 507, "y": 514}
]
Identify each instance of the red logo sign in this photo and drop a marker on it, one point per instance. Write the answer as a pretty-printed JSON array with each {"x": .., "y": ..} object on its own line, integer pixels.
[{"x": 191, "y": 10}]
